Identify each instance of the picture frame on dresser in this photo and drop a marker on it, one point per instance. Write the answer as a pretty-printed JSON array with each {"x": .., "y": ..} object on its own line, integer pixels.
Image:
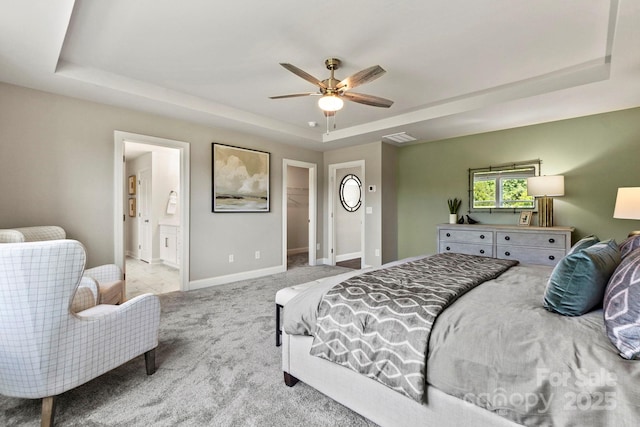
[{"x": 525, "y": 218}]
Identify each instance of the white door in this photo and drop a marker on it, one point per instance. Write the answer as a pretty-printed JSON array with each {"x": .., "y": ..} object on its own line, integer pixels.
[
  {"x": 334, "y": 205},
  {"x": 144, "y": 215}
]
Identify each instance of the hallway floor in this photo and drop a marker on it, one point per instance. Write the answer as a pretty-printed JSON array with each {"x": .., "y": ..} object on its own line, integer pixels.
[{"x": 156, "y": 279}]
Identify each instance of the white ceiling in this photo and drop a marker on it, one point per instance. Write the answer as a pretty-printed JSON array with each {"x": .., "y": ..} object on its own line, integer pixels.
[{"x": 453, "y": 67}]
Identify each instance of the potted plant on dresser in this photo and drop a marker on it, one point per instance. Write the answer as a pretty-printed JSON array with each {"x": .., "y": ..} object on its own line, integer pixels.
[{"x": 454, "y": 206}]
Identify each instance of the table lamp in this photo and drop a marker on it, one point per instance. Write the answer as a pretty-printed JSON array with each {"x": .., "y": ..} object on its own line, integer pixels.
[
  {"x": 544, "y": 188},
  {"x": 628, "y": 205}
]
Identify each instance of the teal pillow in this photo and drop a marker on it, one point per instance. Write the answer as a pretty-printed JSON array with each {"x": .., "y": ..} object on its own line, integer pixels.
[
  {"x": 584, "y": 243},
  {"x": 578, "y": 281}
]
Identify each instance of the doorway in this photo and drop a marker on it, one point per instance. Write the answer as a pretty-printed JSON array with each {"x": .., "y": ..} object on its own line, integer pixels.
[
  {"x": 160, "y": 201},
  {"x": 299, "y": 217},
  {"x": 346, "y": 227}
]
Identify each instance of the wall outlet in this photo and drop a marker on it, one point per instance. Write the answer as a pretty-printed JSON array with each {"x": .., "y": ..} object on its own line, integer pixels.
[
  {"x": 257, "y": 254},
  {"x": 317, "y": 246},
  {"x": 369, "y": 210},
  {"x": 231, "y": 258},
  {"x": 377, "y": 252}
]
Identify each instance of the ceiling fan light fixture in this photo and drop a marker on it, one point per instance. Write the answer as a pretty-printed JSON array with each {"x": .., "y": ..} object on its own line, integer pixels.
[{"x": 330, "y": 103}]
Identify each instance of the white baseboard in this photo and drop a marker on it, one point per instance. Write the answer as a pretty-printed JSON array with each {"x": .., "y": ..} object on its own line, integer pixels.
[
  {"x": 297, "y": 251},
  {"x": 322, "y": 261},
  {"x": 345, "y": 257},
  {"x": 245, "y": 275}
]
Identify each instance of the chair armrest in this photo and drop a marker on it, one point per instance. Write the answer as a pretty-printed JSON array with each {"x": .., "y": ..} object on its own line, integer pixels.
[
  {"x": 86, "y": 295},
  {"x": 105, "y": 273},
  {"x": 134, "y": 322}
]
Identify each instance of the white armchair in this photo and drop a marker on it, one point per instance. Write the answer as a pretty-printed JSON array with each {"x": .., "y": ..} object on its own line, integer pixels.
[
  {"x": 108, "y": 279},
  {"x": 46, "y": 348},
  {"x": 110, "y": 282},
  {"x": 32, "y": 234}
]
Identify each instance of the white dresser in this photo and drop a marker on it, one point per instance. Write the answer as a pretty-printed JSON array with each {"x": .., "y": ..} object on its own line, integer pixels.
[{"x": 529, "y": 245}]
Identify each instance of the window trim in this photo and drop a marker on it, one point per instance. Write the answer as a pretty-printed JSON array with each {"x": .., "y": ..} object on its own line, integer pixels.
[{"x": 500, "y": 172}]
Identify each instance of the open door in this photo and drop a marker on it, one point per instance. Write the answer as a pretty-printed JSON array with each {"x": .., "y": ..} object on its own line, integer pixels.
[
  {"x": 346, "y": 227},
  {"x": 145, "y": 236},
  {"x": 299, "y": 203},
  {"x": 120, "y": 193}
]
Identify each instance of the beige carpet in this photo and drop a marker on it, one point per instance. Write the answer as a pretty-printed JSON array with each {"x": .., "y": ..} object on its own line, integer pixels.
[{"x": 217, "y": 366}]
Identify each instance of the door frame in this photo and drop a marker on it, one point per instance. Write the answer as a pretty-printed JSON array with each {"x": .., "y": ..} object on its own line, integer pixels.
[
  {"x": 119, "y": 213},
  {"x": 313, "y": 201},
  {"x": 332, "y": 201}
]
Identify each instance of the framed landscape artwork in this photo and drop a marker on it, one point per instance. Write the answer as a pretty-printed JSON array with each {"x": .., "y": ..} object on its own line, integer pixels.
[{"x": 240, "y": 179}]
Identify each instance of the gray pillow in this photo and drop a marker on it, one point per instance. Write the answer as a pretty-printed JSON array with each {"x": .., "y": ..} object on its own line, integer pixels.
[
  {"x": 629, "y": 245},
  {"x": 578, "y": 281},
  {"x": 622, "y": 307}
]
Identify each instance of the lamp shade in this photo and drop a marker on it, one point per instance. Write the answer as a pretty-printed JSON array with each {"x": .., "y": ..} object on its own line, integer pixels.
[
  {"x": 627, "y": 203},
  {"x": 330, "y": 103},
  {"x": 552, "y": 185}
]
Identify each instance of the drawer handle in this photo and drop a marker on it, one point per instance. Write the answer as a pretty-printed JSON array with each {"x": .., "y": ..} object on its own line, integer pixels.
[
  {"x": 507, "y": 253},
  {"x": 552, "y": 240},
  {"x": 482, "y": 236},
  {"x": 166, "y": 242},
  {"x": 448, "y": 248},
  {"x": 481, "y": 251},
  {"x": 507, "y": 238},
  {"x": 448, "y": 234},
  {"x": 551, "y": 257}
]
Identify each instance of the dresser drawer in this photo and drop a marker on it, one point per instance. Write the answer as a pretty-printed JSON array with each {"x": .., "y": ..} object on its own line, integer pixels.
[
  {"x": 467, "y": 236},
  {"x": 528, "y": 255},
  {"x": 466, "y": 248},
  {"x": 541, "y": 240}
]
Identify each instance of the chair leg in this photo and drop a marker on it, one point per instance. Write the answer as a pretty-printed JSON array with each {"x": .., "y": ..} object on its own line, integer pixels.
[
  {"x": 150, "y": 361},
  {"x": 48, "y": 411}
]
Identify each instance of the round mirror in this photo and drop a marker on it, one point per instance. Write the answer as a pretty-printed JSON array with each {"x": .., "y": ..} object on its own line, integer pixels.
[{"x": 351, "y": 192}]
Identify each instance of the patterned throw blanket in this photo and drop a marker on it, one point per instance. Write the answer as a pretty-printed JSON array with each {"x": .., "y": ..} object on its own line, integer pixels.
[{"x": 378, "y": 323}]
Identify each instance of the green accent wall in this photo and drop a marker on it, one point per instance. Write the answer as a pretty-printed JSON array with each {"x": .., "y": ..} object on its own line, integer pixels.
[{"x": 596, "y": 154}]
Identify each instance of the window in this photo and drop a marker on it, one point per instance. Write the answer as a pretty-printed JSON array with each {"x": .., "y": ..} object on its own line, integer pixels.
[{"x": 501, "y": 187}]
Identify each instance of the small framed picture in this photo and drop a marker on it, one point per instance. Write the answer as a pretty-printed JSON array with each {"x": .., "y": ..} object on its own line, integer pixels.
[
  {"x": 132, "y": 185},
  {"x": 132, "y": 206},
  {"x": 525, "y": 218}
]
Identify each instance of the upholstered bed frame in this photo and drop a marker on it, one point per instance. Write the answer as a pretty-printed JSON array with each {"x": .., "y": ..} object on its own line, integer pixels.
[
  {"x": 373, "y": 400},
  {"x": 365, "y": 396}
]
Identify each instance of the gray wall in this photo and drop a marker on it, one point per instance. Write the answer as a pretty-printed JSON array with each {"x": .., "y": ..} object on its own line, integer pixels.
[
  {"x": 596, "y": 154},
  {"x": 389, "y": 203},
  {"x": 56, "y": 158}
]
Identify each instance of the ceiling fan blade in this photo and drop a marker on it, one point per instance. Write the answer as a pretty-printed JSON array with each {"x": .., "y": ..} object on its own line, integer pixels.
[
  {"x": 374, "y": 101},
  {"x": 308, "y": 77},
  {"x": 361, "y": 77},
  {"x": 294, "y": 95}
]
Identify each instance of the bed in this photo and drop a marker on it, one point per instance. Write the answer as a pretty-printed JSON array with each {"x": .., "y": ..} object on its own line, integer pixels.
[{"x": 496, "y": 357}]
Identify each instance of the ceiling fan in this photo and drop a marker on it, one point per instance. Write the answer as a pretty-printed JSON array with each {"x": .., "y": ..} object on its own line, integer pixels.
[{"x": 332, "y": 90}]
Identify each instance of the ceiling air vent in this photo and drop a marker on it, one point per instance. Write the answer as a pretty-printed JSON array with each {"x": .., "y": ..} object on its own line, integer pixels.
[{"x": 400, "y": 137}]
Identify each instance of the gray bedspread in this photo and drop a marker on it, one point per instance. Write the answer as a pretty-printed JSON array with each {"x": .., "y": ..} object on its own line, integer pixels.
[
  {"x": 378, "y": 323},
  {"x": 498, "y": 348}
]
